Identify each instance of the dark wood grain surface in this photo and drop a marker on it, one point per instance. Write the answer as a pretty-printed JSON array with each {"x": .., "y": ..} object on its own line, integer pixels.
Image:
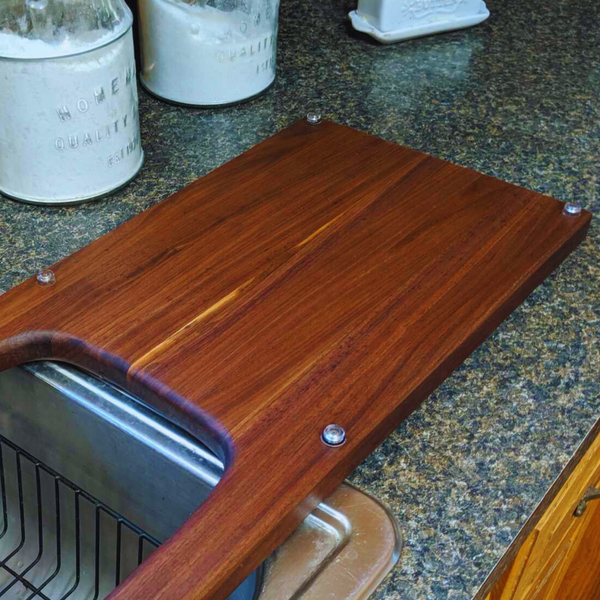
[{"x": 325, "y": 276}]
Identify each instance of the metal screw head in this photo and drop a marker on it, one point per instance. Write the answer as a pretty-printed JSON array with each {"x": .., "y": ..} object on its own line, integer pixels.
[
  {"x": 333, "y": 435},
  {"x": 313, "y": 118},
  {"x": 580, "y": 509},
  {"x": 572, "y": 209},
  {"x": 37, "y": 4},
  {"x": 46, "y": 277}
]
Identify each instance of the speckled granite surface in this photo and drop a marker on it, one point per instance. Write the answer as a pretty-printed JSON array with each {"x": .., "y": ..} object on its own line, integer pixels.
[{"x": 517, "y": 98}]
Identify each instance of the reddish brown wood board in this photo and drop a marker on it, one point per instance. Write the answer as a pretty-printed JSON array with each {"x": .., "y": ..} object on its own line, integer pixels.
[{"x": 325, "y": 276}]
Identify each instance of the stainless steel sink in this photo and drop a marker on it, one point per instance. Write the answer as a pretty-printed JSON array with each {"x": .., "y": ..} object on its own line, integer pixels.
[{"x": 92, "y": 481}]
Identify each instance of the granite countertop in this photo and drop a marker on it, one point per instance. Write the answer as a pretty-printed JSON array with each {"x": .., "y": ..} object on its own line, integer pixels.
[{"x": 515, "y": 97}]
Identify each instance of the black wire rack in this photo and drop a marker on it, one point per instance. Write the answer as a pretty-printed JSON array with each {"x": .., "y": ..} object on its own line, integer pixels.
[{"x": 56, "y": 540}]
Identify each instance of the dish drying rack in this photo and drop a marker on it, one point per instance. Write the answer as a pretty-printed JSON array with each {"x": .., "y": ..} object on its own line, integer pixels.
[{"x": 51, "y": 531}]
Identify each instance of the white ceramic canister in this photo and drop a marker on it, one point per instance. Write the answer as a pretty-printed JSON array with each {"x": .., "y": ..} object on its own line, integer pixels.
[
  {"x": 69, "y": 126},
  {"x": 208, "y": 52}
]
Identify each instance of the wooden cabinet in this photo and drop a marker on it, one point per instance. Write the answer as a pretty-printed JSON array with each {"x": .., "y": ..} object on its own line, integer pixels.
[{"x": 560, "y": 559}]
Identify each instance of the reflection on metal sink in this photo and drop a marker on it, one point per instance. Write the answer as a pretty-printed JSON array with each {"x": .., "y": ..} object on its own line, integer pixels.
[{"x": 93, "y": 481}]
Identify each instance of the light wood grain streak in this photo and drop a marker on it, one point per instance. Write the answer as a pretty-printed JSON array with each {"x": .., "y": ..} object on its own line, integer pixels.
[{"x": 180, "y": 333}]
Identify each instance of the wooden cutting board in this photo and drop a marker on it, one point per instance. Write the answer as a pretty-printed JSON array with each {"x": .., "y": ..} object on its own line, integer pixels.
[{"x": 325, "y": 276}]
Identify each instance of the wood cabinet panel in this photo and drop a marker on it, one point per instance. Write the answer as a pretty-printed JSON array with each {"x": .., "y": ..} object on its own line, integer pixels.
[
  {"x": 560, "y": 559},
  {"x": 579, "y": 574}
]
